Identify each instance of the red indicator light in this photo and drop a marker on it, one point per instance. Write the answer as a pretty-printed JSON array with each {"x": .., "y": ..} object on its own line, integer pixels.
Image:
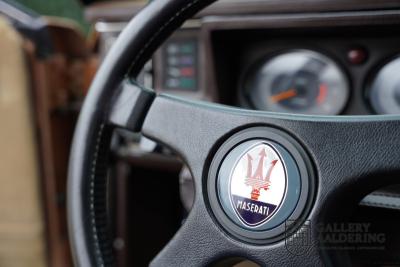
[
  {"x": 357, "y": 56},
  {"x": 187, "y": 72}
]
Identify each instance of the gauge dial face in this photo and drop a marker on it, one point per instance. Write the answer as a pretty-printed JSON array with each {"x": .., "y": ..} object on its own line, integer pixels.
[
  {"x": 385, "y": 89},
  {"x": 302, "y": 82}
]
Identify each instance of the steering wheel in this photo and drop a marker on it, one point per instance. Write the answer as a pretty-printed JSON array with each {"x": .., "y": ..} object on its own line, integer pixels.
[{"x": 263, "y": 181}]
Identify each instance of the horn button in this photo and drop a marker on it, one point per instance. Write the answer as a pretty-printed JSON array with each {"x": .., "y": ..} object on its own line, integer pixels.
[{"x": 260, "y": 184}]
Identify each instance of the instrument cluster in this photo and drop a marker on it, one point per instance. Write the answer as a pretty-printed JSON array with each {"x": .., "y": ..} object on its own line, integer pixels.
[{"x": 313, "y": 83}]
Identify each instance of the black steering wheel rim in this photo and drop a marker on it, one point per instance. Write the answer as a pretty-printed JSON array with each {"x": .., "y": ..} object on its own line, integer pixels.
[
  {"x": 111, "y": 103},
  {"x": 139, "y": 40}
]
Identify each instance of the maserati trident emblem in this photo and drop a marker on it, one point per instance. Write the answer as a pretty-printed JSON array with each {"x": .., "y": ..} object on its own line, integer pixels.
[
  {"x": 257, "y": 181},
  {"x": 257, "y": 185}
]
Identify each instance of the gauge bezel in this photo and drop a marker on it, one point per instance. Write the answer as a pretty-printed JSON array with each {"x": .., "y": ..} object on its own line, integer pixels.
[
  {"x": 372, "y": 74},
  {"x": 243, "y": 92}
]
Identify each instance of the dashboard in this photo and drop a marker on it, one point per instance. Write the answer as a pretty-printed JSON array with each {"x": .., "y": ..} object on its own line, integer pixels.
[{"x": 342, "y": 60}]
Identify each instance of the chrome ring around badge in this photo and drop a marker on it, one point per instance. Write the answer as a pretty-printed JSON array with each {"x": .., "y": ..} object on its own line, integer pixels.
[{"x": 258, "y": 184}]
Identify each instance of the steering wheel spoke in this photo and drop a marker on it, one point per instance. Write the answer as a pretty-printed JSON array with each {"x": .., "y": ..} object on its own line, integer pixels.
[
  {"x": 190, "y": 128},
  {"x": 200, "y": 242},
  {"x": 129, "y": 106},
  {"x": 353, "y": 155},
  {"x": 191, "y": 245}
]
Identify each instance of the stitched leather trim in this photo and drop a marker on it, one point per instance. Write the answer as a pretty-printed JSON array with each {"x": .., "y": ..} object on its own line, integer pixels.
[
  {"x": 382, "y": 200},
  {"x": 92, "y": 201}
]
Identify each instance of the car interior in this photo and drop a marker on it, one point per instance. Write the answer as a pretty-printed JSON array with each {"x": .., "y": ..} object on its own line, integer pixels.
[{"x": 199, "y": 133}]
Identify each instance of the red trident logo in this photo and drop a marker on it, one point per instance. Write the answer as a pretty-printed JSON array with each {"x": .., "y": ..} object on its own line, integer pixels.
[{"x": 258, "y": 181}]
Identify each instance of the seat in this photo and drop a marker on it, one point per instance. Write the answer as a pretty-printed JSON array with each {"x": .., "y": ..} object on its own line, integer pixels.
[{"x": 22, "y": 234}]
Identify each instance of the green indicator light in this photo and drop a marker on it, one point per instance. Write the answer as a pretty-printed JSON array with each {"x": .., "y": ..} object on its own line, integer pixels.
[
  {"x": 187, "y": 48},
  {"x": 187, "y": 83}
]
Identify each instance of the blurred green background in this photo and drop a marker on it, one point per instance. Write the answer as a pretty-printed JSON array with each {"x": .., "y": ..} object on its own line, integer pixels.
[{"x": 72, "y": 9}]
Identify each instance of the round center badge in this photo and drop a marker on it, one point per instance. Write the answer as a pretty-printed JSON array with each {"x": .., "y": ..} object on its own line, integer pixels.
[{"x": 257, "y": 184}]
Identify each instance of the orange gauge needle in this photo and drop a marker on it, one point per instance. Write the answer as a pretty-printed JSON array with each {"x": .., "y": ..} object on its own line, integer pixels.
[
  {"x": 323, "y": 90},
  {"x": 283, "y": 95}
]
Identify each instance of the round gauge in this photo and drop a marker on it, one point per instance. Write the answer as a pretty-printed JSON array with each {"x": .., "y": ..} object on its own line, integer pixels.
[
  {"x": 301, "y": 81},
  {"x": 385, "y": 89}
]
